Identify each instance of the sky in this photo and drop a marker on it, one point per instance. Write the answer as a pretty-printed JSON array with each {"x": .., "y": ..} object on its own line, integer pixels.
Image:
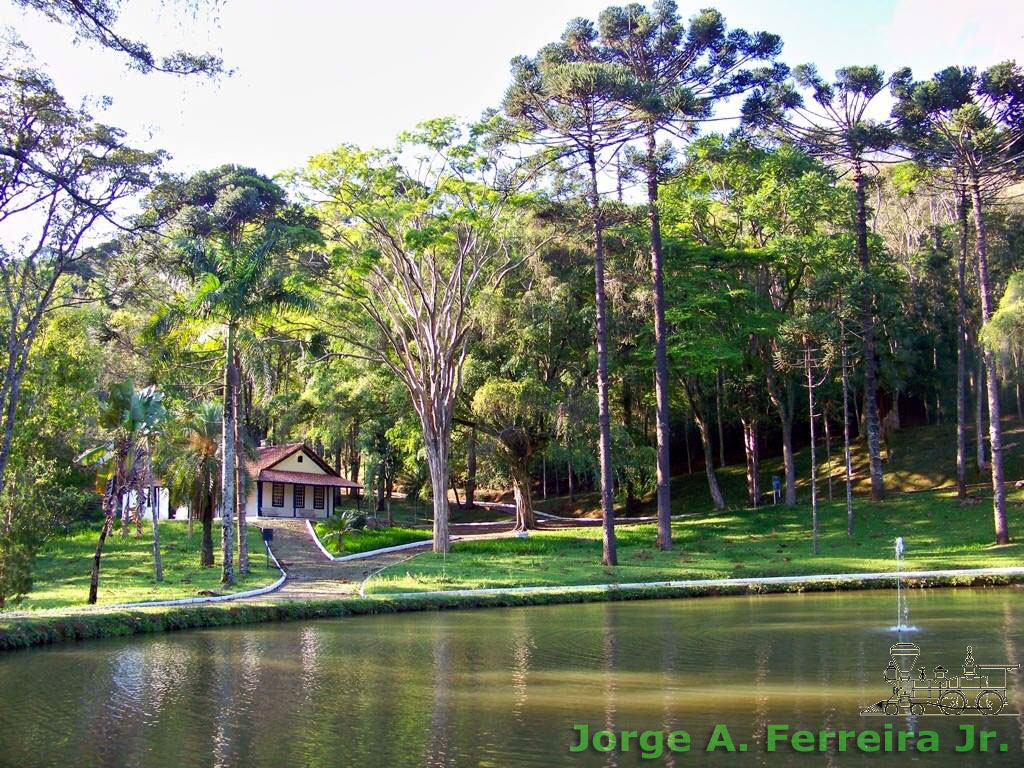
[{"x": 310, "y": 75}]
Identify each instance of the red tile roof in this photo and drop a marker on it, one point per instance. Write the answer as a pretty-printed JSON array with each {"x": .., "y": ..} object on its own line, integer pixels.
[
  {"x": 305, "y": 478},
  {"x": 270, "y": 455}
]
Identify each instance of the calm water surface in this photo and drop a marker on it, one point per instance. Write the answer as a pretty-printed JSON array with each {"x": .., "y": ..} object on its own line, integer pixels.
[{"x": 502, "y": 687}]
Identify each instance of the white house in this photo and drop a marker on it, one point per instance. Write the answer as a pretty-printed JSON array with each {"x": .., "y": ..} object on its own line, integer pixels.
[
  {"x": 162, "y": 496},
  {"x": 292, "y": 481}
]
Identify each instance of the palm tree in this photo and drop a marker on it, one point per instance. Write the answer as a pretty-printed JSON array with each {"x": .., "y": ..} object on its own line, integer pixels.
[
  {"x": 194, "y": 471},
  {"x": 234, "y": 281},
  {"x": 124, "y": 468},
  {"x": 339, "y": 526}
]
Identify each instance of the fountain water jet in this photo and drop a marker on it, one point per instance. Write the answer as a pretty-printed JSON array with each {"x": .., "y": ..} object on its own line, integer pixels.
[{"x": 902, "y": 605}]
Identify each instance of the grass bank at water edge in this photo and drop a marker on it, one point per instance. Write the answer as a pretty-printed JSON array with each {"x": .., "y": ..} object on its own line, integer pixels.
[
  {"x": 61, "y": 572},
  {"x": 18, "y": 634}
]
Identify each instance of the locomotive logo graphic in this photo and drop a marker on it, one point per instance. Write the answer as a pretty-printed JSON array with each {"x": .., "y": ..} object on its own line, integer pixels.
[{"x": 980, "y": 690}]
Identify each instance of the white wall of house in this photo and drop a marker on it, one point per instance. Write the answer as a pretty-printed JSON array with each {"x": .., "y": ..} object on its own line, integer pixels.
[
  {"x": 163, "y": 504},
  {"x": 288, "y": 508}
]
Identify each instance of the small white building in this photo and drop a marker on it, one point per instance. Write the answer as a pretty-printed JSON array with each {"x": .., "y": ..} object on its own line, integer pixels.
[
  {"x": 161, "y": 495},
  {"x": 292, "y": 481}
]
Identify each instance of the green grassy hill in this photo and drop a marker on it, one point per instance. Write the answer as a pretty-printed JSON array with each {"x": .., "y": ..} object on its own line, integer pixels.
[{"x": 923, "y": 458}]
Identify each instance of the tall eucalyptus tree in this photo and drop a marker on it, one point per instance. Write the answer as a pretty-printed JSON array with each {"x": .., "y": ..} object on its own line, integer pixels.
[{"x": 414, "y": 247}]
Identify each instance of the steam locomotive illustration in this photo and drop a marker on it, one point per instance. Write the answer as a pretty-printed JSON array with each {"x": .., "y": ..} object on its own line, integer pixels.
[{"x": 981, "y": 688}]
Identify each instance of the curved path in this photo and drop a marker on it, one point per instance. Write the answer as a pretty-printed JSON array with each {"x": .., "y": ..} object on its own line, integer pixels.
[{"x": 312, "y": 576}]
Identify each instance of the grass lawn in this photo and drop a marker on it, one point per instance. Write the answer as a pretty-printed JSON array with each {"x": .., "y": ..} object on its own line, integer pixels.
[
  {"x": 61, "y": 571},
  {"x": 366, "y": 540},
  {"x": 771, "y": 541}
]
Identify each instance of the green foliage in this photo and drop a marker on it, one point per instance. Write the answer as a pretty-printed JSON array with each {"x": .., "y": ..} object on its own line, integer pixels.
[
  {"x": 189, "y": 461},
  {"x": 96, "y": 21},
  {"x": 133, "y": 418},
  {"x": 339, "y": 526},
  {"x": 1004, "y": 333},
  {"x": 33, "y": 504}
]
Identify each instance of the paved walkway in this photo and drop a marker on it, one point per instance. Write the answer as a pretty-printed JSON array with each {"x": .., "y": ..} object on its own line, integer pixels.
[{"x": 311, "y": 576}]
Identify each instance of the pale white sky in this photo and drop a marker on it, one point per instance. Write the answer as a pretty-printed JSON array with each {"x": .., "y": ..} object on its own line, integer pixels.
[{"x": 312, "y": 74}]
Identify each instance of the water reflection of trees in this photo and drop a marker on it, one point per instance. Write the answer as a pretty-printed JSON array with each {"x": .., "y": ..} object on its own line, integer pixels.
[{"x": 496, "y": 687}]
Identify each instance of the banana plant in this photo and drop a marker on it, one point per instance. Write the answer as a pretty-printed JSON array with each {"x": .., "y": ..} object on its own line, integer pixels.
[{"x": 123, "y": 464}]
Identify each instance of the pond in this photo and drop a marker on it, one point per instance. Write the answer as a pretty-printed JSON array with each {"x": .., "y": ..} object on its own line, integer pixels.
[{"x": 506, "y": 687}]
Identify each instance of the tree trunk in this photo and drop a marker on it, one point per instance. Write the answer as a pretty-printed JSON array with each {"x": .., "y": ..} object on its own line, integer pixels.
[
  {"x": 686, "y": 442},
  {"x": 379, "y": 507},
  {"x": 206, "y": 551},
  {"x": 471, "y": 470},
  {"x": 435, "y": 421},
  {"x": 438, "y": 464},
  {"x": 750, "y": 449},
  {"x": 846, "y": 435},
  {"x": 544, "y": 477},
  {"x": 828, "y": 451},
  {"x": 354, "y": 465},
  {"x": 154, "y": 508},
  {"x": 961, "y": 350},
  {"x": 604, "y": 420},
  {"x": 660, "y": 354},
  {"x": 718, "y": 418},
  {"x": 627, "y": 423},
  {"x": 814, "y": 458},
  {"x": 227, "y": 500},
  {"x": 871, "y": 422},
  {"x": 979, "y": 412},
  {"x": 123, "y": 515},
  {"x": 783, "y": 402},
  {"x": 243, "y": 533},
  {"x": 524, "y": 503},
  {"x": 857, "y": 420},
  {"x": 995, "y": 426},
  {"x": 94, "y": 579},
  {"x": 572, "y": 484},
  {"x": 705, "y": 438}
]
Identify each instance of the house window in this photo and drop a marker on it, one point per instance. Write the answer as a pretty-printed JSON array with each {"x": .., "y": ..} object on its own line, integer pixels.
[
  {"x": 299, "y": 496},
  {"x": 318, "y": 497},
  {"x": 278, "y": 495},
  {"x": 300, "y": 458}
]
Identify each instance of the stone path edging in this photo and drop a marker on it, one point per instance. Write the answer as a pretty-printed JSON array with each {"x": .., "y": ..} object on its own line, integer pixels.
[{"x": 372, "y": 552}]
